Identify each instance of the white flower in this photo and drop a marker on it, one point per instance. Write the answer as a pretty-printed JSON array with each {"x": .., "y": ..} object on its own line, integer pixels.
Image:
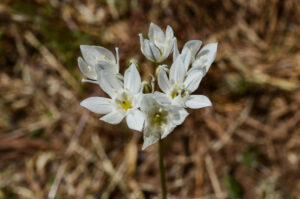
[
  {"x": 160, "y": 120},
  {"x": 125, "y": 99},
  {"x": 205, "y": 58},
  {"x": 179, "y": 85},
  {"x": 160, "y": 44},
  {"x": 191, "y": 46},
  {"x": 202, "y": 61},
  {"x": 97, "y": 57}
]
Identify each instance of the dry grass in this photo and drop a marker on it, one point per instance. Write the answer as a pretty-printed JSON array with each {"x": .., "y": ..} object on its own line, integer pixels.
[{"x": 246, "y": 146}]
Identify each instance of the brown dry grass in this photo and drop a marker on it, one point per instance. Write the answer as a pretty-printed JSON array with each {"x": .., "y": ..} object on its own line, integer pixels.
[{"x": 251, "y": 137}]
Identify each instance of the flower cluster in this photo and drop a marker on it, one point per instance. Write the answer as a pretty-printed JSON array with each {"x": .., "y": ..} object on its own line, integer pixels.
[{"x": 156, "y": 113}]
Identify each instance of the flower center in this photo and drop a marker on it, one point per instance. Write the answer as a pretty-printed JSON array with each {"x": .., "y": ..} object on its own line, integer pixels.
[
  {"x": 178, "y": 91},
  {"x": 174, "y": 93},
  {"x": 159, "y": 117},
  {"x": 125, "y": 104},
  {"x": 124, "y": 101}
]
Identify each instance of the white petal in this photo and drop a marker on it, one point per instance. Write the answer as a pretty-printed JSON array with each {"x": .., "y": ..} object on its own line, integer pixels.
[
  {"x": 109, "y": 82},
  {"x": 169, "y": 32},
  {"x": 197, "y": 101},
  {"x": 154, "y": 52},
  {"x": 208, "y": 54},
  {"x": 156, "y": 33},
  {"x": 162, "y": 98},
  {"x": 194, "y": 46},
  {"x": 107, "y": 55},
  {"x": 163, "y": 81},
  {"x": 103, "y": 65},
  {"x": 179, "y": 101},
  {"x": 118, "y": 60},
  {"x": 88, "y": 71},
  {"x": 175, "y": 51},
  {"x": 98, "y": 105},
  {"x": 177, "y": 71},
  {"x": 147, "y": 101},
  {"x": 193, "y": 80},
  {"x": 132, "y": 79},
  {"x": 142, "y": 44},
  {"x": 167, "y": 130},
  {"x": 149, "y": 140},
  {"x": 114, "y": 117},
  {"x": 94, "y": 54},
  {"x": 186, "y": 57},
  {"x": 179, "y": 116},
  {"x": 150, "y": 51},
  {"x": 135, "y": 120},
  {"x": 168, "y": 47}
]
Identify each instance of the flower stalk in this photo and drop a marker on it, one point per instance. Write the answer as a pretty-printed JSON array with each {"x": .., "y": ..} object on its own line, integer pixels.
[{"x": 162, "y": 169}]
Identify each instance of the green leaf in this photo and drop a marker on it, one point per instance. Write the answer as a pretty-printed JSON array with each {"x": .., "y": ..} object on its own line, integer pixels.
[
  {"x": 233, "y": 187},
  {"x": 250, "y": 158}
]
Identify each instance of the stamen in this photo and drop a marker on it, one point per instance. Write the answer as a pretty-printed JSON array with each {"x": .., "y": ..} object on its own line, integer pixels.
[
  {"x": 89, "y": 81},
  {"x": 125, "y": 104}
]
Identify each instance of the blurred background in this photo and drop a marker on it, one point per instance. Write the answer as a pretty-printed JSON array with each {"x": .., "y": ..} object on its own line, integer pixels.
[{"x": 246, "y": 146}]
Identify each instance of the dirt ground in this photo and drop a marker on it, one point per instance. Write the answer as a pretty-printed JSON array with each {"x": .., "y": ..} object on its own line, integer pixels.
[{"x": 246, "y": 146}]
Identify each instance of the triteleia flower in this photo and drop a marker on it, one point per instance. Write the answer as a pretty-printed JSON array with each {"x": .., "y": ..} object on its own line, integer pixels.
[
  {"x": 191, "y": 46},
  {"x": 179, "y": 85},
  {"x": 97, "y": 57},
  {"x": 202, "y": 61},
  {"x": 204, "y": 58},
  {"x": 125, "y": 98},
  {"x": 160, "y": 44},
  {"x": 160, "y": 120}
]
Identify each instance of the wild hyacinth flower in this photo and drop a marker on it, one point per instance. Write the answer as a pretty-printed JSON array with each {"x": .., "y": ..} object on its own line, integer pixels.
[
  {"x": 160, "y": 44},
  {"x": 97, "y": 57},
  {"x": 124, "y": 102},
  {"x": 155, "y": 113},
  {"x": 191, "y": 46},
  {"x": 160, "y": 120},
  {"x": 205, "y": 57},
  {"x": 179, "y": 85}
]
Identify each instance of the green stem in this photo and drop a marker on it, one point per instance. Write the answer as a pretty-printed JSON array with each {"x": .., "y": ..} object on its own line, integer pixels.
[{"x": 162, "y": 170}]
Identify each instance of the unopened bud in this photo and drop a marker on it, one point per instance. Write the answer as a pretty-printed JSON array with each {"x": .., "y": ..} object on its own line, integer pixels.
[{"x": 147, "y": 88}]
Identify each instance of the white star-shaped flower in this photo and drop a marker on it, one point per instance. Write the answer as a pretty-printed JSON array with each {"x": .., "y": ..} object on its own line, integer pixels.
[
  {"x": 191, "y": 46},
  {"x": 160, "y": 120},
  {"x": 97, "y": 57},
  {"x": 179, "y": 85},
  {"x": 160, "y": 44},
  {"x": 125, "y": 99},
  {"x": 205, "y": 58}
]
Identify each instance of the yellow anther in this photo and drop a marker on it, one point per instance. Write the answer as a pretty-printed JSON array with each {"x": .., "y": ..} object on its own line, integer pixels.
[
  {"x": 125, "y": 104},
  {"x": 174, "y": 94}
]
